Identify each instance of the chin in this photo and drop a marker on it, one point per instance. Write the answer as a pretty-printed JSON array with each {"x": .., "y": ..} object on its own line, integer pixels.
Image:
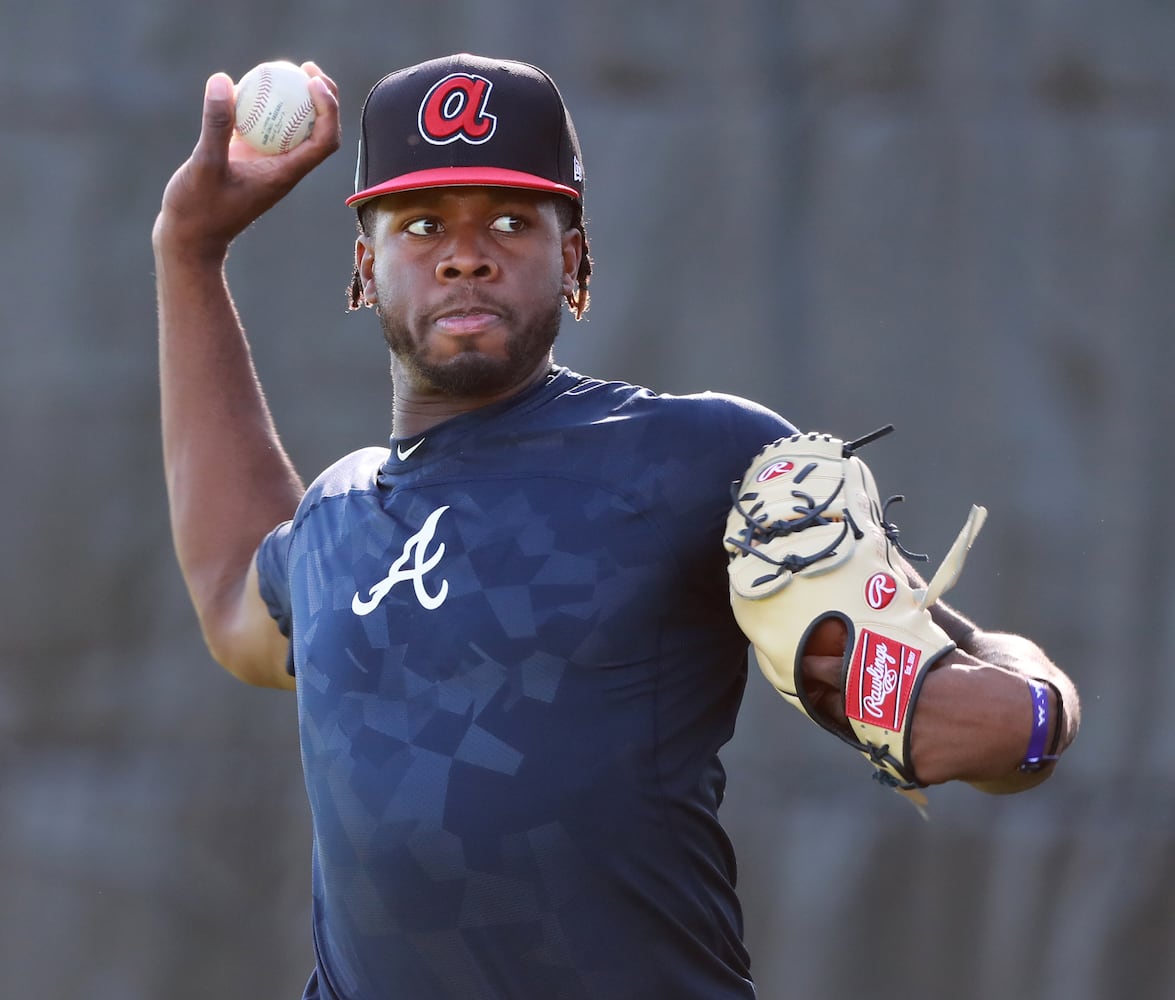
[
  {"x": 473, "y": 373},
  {"x": 487, "y": 366}
]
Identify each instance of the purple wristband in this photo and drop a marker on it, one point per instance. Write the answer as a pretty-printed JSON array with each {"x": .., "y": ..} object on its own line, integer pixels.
[{"x": 1035, "y": 758}]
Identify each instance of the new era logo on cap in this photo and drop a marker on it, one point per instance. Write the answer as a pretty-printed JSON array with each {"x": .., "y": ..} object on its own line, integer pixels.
[{"x": 467, "y": 120}]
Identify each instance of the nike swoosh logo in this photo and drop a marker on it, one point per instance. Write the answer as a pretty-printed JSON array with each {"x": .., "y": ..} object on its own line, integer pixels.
[{"x": 403, "y": 454}]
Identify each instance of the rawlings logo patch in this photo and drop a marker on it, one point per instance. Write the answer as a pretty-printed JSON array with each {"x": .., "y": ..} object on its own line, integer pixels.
[
  {"x": 774, "y": 471},
  {"x": 880, "y": 681},
  {"x": 880, "y": 589}
]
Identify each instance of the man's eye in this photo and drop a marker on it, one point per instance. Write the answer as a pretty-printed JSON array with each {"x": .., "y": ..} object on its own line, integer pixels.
[
  {"x": 423, "y": 227},
  {"x": 508, "y": 224}
]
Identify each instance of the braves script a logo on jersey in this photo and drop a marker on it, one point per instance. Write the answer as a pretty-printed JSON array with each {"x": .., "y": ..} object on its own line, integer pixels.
[
  {"x": 455, "y": 109},
  {"x": 416, "y": 551},
  {"x": 880, "y": 680}
]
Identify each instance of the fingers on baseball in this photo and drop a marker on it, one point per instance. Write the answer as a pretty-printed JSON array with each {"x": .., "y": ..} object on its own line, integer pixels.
[
  {"x": 314, "y": 71},
  {"x": 219, "y": 111},
  {"x": 326, "y": 133},
  {"x": 324, "y": 94},
  {"x": 216, "y": 123}
]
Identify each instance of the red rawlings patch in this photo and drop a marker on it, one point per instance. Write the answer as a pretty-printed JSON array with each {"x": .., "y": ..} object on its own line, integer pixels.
[
  {"x": 881, "y": 680},
  {"x": 879, "y": 590},
  {"x": 774, "y": 471}
]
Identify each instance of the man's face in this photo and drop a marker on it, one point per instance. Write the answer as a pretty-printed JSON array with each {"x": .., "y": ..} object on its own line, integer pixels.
[{"x": 469, "y": 284}]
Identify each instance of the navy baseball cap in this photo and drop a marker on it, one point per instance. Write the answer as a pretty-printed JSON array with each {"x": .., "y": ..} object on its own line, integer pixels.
[{"x": 466, "y": 120}]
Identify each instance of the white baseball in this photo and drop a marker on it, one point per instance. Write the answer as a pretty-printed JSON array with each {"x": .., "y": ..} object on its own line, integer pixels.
[{"x": 274, "y": 110}]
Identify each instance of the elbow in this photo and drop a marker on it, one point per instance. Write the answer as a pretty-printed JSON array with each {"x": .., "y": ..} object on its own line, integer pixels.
[
  {"x": 246, "y": 671},
  {"x": 1013, "y": 783},
  {"x": 256, "y": 662}
]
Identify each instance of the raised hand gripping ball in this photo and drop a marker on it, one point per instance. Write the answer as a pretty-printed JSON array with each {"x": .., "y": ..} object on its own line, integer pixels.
[{"x": 274, "y": 109}]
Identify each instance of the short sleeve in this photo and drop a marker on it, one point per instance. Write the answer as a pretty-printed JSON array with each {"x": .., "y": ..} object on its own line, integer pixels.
[{"x": 273, "y": 556}]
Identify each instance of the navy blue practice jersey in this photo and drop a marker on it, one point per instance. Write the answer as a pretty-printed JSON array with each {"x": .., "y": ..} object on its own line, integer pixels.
[{"x": 516, "y": 664}]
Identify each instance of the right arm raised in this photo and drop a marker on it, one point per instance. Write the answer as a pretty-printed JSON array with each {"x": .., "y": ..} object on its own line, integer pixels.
[{"x": 229, "y": 481}]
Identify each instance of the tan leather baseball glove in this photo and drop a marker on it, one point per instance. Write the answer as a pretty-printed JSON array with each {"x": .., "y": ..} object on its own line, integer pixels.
[{"x": 808, "y": 541}]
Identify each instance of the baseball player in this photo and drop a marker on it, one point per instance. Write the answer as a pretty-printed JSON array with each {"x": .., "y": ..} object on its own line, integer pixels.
[{"x": 519, "y": 633}]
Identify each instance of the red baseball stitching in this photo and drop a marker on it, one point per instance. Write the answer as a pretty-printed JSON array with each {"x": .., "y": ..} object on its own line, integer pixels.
[
  {"x": 254, "y": 116},
  {"x": 295, "y": 124}
]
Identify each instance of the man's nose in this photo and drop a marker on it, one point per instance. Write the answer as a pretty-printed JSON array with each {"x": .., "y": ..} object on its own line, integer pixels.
[{"x": 468, "y": 255}]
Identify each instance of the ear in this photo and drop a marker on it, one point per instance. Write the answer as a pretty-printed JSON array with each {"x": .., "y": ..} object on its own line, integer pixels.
[
  {"x": 365, "y": 266},
  {"x": 572, "y": 255}
]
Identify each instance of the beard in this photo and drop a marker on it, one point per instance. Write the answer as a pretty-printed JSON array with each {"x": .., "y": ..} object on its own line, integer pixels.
[{"x": 471, "y": 373}]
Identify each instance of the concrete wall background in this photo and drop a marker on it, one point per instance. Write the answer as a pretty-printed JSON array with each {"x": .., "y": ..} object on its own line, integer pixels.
[{"x": 956, "y": 217}]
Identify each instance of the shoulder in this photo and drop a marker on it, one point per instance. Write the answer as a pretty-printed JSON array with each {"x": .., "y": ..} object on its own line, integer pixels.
[
  {"x": 673, "y": 449},
  {"x": 734, "y": 417},
  {"x": 712, "y": 437},
  {"x": 706, "y": 419},
  {"x": 710, "y": 429},
  {"x": 357, "y": 472}
]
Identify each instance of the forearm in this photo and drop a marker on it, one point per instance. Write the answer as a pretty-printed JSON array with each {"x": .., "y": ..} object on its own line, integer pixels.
[
  {"x": 976, "y": 712},
  {"x": 1027, "y": 660},
  {"x": 229, "y": 481}
]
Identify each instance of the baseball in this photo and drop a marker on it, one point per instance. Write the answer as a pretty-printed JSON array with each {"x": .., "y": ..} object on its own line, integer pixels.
[{"x": 274, "y": 110}]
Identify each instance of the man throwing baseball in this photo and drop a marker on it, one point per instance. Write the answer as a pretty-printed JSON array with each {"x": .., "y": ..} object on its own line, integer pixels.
[{"x": 519, "y": 633}]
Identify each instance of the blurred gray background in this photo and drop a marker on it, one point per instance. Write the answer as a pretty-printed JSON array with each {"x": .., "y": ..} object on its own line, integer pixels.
[{"x": 956, "y": 216}]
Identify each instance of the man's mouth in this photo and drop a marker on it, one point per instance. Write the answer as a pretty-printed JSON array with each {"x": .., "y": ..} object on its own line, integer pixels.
[{"x": 467, "y": 321}]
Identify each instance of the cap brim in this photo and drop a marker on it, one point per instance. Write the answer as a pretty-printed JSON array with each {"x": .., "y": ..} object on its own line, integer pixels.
[{"x": 463, "y": 177}]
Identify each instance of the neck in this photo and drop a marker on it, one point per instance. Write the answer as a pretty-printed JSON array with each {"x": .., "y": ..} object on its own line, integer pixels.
[{"x": 418, "y": 407}]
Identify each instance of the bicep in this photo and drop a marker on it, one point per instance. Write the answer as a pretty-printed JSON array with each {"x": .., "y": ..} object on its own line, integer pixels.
[{"x": 250, "y": 646}]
